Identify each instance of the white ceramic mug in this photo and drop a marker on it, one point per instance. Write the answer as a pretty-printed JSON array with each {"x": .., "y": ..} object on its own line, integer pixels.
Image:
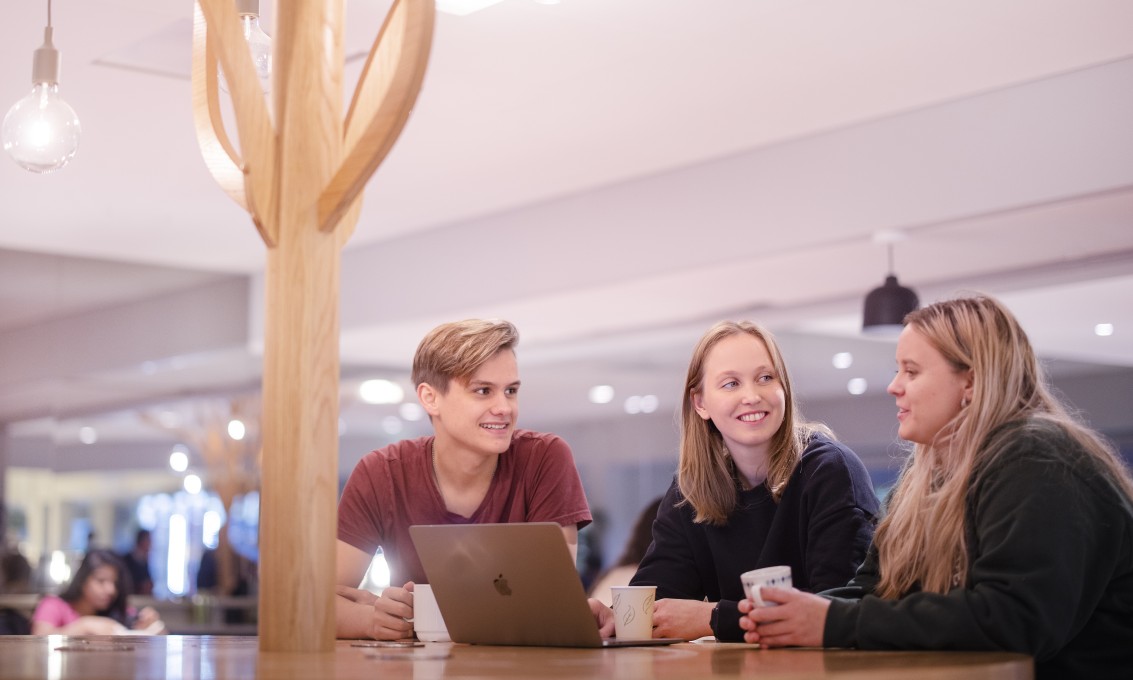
[
  {"x": 633, "y": 611},
  {"x": 776, "y": 577},
  {"x": 427, "y": 620}
]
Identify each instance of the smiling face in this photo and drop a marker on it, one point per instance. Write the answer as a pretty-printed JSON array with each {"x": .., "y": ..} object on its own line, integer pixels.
[
  {"x": 478, "y": 414},
  {"x": 742, "y": 394},
  {"x": 929, "y": 390},
  {"x": 100, "y": 588}
]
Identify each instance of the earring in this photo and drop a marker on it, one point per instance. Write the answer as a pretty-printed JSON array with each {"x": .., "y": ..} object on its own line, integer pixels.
[{"x": 964, "y": 402}]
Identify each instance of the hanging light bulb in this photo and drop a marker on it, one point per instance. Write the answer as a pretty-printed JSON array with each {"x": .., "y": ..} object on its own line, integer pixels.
[
  {"x": 258, "y": 42},
  {"x": 41, "y": 131}
]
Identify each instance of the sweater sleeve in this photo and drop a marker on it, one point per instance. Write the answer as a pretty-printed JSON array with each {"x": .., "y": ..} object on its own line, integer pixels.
[
  {"x": 1039, "y": 535},
  {"x": 844, "y": 600},
  {"x": 863, "y": 582},
  {"x": 841, "y": 510}
]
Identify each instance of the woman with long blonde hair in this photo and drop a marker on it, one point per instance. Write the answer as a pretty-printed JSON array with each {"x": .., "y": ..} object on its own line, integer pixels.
[
  {"x": 756, "y": 486},
  {"x": 1011, "y": 527}
]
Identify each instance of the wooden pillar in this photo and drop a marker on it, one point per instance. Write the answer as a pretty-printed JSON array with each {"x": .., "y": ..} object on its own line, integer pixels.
[
  {"x": 301, "y": 179},
  {"x": 301, "y": 364}
]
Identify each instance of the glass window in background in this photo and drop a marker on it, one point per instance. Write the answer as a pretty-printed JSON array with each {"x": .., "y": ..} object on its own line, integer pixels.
[{"x": 183, "y": 525}]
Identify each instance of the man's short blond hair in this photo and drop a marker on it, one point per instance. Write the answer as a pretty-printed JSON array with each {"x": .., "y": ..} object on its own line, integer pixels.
[{"x": 458, "y": 349}]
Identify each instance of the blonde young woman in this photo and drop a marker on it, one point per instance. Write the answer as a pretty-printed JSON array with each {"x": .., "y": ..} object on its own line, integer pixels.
[
  {"x": 1011, "y": 527},
  {"x": 756, "y": 487}
]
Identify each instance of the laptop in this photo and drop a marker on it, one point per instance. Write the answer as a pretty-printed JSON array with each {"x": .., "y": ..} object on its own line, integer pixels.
[{"x": 510, "y": 584}]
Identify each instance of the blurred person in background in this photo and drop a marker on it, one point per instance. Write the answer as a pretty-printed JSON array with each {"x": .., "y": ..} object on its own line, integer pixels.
[
  {"x": 15, "y": 579},
  {"x": 94, "y": 603},
  {"x": 15, "y": 572},
  {"x": 137, "y": 564},
  {"x": 621, "y": 571}
]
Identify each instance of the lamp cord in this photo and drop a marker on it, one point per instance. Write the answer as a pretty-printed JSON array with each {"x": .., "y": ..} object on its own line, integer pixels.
[
  {"x": 890, "y": 248},
  {"x": 49, "y": 13}
]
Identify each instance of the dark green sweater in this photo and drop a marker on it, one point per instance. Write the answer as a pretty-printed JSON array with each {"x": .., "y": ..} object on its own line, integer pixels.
[{"x": 1050, "y": 541}]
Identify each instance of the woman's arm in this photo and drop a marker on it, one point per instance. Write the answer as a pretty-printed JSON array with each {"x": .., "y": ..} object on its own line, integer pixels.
[
  {"x": 147, "y": 622},
  {"x": 84, "y": 625},
  {"x": 841, "y": 512}
]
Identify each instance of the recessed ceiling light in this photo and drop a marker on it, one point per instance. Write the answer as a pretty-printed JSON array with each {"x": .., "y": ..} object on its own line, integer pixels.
[
  {"x": 601, "y": 394},
  {"x": 236, "y": 429},
  {"x": 464, "y": 7},
  {"x": 192, "y": 484},
  {"x": 178, "y": 459},
  {"x": 843, "y": 360},
  {"x": 649, "y": 403},
  {"x": 88, "y": 435},
  {"x": 411, "y": 411},
  {"x": 857, "y": 386},
  {"x": 169, "y": 419},
  {"x": 391, "y": 425},
  {"x": 1103, "y": 329},
  {"x": 633, "y": 405},
  {"x": 381, "y": 391}
]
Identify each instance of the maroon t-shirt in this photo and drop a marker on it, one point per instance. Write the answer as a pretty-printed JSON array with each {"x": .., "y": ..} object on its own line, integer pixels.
[{"x": 392, "y": 489}]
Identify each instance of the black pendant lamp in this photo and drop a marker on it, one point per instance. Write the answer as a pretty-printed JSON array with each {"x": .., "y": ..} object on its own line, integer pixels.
[{"x": 886, "y": 306}]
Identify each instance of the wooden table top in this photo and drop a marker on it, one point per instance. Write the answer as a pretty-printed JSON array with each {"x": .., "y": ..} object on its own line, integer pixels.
[{"x": 208, "y": 657}]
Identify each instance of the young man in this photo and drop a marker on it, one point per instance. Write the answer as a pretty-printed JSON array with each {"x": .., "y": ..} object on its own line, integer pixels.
[{"x": 477, "y": 468}]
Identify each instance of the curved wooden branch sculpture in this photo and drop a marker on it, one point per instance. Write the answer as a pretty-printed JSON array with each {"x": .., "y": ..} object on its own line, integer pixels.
[
  {"x": 253, "y": 122},
  {"x": 302, "y": 180},
  {"x": 385, "y": 95},
  {"x": 221, "y": 158}
]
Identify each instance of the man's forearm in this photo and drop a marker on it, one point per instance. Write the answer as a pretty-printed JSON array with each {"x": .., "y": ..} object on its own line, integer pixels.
[{"x": 352, "y": 619}]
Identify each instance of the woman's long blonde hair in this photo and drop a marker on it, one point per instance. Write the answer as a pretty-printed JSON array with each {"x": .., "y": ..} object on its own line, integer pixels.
[
  {"x": 706, "y": 473},
  {"x": 921, "y": 542}
]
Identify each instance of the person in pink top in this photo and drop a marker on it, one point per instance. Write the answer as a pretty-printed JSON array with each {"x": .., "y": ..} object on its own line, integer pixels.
[{"x": 93, "y": 603}]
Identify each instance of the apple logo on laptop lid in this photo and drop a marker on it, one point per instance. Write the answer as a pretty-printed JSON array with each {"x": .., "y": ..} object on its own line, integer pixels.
[{"x": 501, "y": 585}]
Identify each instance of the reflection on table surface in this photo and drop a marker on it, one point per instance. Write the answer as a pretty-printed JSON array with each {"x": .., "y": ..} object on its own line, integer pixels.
[
  {"x": 196, "y": 615},
  {"x": 206, "y": 657}
]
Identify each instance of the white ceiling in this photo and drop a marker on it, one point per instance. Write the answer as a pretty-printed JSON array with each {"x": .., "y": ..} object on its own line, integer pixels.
[{"x": 612, "y": 175}]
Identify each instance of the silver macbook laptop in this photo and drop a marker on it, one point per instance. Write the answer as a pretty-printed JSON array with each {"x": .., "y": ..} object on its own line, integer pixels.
[{"x": 510, "y": 584}]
